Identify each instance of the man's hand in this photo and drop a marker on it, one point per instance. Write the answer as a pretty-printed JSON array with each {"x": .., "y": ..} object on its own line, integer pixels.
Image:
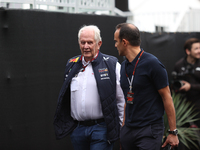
[
  {"x": 172, "y": 140},
  {"x": 186, "y": 86}
]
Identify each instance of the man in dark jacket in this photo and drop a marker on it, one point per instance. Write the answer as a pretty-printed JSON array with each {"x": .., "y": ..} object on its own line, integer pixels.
[{"x": 91, "y": 102}]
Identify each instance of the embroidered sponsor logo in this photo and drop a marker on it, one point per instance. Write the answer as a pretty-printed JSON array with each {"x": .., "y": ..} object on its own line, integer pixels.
[
  {"x": 197, "y": 68},
  {"x": 105, "y": 78},
  {"x": 105, "y": 58},
  {"x": 104, "y": 75},
  {"x": 74, "y": 60},
  {"x": 103, "y": 70}
]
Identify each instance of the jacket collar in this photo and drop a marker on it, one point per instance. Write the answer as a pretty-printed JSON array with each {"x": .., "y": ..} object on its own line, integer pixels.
[{"x": 97, "y": 60}]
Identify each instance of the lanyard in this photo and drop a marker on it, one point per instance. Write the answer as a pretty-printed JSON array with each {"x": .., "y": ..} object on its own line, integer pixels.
[
  {"x": 84, "y": 66},
  {"x": 130, "y": 82}
]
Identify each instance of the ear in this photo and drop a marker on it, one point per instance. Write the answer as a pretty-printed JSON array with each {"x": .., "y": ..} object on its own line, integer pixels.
[
  {"x": 99, "y": 44},
  {"x": 125, "y": 42},
  {"x": 187, "y": 51}
]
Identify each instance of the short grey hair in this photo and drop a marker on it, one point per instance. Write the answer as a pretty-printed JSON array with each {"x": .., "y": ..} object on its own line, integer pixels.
[{"x": 97, "y": 35}]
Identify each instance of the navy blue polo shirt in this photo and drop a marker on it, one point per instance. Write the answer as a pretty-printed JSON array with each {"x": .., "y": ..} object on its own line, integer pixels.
[{"x": 150, "y": 76}]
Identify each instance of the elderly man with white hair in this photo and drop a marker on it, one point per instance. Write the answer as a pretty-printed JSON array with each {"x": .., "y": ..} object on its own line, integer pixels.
[{"x": 91, "y": 102}]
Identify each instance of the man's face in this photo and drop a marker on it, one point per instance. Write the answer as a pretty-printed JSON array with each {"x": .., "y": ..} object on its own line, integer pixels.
[
  {"x": 195, "y": 51},
  {"x": 118, "y": 43},
  {"x": 88, "y": 45}
]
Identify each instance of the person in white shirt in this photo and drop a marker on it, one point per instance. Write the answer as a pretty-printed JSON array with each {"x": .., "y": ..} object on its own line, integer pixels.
[{"x": 92, "y": 88}]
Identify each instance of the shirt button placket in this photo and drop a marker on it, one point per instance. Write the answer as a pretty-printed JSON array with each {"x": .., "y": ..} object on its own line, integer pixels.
[{"x": 84, "y": 91}]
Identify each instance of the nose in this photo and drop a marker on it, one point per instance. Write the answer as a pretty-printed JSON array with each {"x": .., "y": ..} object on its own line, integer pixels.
[{"x": 86, "y": 45}]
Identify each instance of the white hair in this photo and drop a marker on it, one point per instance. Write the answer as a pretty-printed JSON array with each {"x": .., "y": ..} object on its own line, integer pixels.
[{"x": 96, "y": 30}]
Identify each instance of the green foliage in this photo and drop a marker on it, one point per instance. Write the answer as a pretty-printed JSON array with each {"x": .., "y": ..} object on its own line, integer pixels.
[{"x": 185, "y": 114}]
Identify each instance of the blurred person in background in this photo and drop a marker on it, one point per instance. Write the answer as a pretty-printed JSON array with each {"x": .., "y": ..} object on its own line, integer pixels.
[{"x": 186, "y": 76}]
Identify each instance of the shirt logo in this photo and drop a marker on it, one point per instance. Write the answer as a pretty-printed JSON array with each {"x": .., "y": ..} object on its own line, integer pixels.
[
  {"x": 74, "y": 60},
  {"x": 183, "y": 68},
  {"x": 197, "y": 68}
]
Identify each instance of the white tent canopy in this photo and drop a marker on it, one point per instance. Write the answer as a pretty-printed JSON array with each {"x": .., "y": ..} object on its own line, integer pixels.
[{"x": 169, "y": 14}]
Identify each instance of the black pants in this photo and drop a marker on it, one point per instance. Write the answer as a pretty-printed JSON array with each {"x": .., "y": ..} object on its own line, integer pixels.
[{"x": 145, "y": 138}]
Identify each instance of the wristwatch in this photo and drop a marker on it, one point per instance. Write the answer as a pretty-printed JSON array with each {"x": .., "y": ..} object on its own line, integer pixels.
[{"x": 174, "y": 132}]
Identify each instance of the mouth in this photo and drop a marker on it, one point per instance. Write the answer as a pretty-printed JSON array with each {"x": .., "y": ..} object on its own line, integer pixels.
[{"x": 86, "y": 51}]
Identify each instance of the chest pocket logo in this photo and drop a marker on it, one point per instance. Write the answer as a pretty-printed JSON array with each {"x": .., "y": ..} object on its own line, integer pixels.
[{"x": 104, "y": 73}]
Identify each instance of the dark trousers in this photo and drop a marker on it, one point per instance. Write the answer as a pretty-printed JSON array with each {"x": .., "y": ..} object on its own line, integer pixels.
[{"x": 145, "y": 138}]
